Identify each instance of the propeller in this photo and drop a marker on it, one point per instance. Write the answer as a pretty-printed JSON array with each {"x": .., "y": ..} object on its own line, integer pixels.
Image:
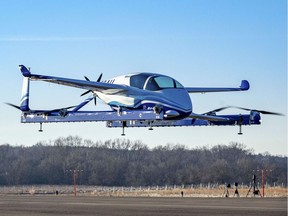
[
  {"x": 12, "y": 105},
  {"x": 43, "y": 111},
  {"x": 246, "y": 109},
  {"x": 88, "y": 90},
  {"x": 216, "y": 110},
  {"x": 260, "y": 111},
  {"x": 61, "y": 109},
  {"x": 98, "y": 80}
]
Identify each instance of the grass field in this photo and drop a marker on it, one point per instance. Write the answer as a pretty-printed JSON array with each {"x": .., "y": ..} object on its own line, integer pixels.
[{"x": 166, "y": 191}]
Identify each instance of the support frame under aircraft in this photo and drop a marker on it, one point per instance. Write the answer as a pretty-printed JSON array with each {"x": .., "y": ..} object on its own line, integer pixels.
[{"x": 136, "y": 100}]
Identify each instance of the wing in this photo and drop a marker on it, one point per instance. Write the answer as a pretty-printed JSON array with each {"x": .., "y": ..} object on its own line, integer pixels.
[
  {"x": 243, "y": 87},
  {"x": 106, "y": 88}
]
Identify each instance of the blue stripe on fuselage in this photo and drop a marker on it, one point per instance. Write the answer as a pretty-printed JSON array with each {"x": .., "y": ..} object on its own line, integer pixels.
[{"x": 169, "y": 99}]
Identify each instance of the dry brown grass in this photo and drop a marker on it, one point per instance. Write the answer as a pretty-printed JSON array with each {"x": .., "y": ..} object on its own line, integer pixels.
[
  {"x": 140, "y": 192},
  {"x": 198, "y": 192}
]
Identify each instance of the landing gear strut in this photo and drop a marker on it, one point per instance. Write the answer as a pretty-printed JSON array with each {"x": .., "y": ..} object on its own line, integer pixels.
[
  {"x": 240, "y": 125},
  {"x": 124, "y": 124},
  {"x": 240, "y": 129},
  {"x": 40, "y": 130},
  {"x": 150, "y": 126}
]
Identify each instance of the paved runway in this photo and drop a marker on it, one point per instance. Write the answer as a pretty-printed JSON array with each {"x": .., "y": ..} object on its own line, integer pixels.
[{"x": 112, "y": 206}]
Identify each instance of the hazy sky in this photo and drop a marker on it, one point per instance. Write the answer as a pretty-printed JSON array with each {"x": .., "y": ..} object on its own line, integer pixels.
[{"x": 198, "y": 42}]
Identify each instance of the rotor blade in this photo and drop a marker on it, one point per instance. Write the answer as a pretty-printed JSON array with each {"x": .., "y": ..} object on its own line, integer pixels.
[
  {"x": 260, "y": 111},
  {"x": 217, "y": 110},
  {"x": 99, "y": 78},
  {"x": 87, "y": 78},
  {"x": 207, "y": 117},
  {"x": 69, "y": 107},
  {"x": 85, "y": 93},
  {"x": 56, "y": 110},
  {"x": 17, "y": 107},
  {"x": 246, "y": 109}
]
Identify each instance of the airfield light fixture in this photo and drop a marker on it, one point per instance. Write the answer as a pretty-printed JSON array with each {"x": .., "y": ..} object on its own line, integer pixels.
[
  {"x": 263, "y": 174},
  {"x": 75, "y": 171}
]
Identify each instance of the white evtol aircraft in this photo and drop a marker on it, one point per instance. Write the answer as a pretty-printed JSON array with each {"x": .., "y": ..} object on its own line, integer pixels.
[{"x": 137, "y": 100}]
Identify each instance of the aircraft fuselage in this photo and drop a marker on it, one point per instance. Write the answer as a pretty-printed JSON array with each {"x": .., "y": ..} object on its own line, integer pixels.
[{"x": 166, "y": 95}]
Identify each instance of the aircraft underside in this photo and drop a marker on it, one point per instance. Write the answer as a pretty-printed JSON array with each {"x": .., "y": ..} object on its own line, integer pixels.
[{"x": 137, "y": 118}]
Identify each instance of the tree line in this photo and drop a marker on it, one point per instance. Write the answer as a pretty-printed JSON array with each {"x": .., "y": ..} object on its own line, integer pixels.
[{"x": 124, "y": 162}]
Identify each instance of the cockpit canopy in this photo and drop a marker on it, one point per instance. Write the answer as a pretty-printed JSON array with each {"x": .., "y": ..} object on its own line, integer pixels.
[{"x": 153, "y": 82}]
